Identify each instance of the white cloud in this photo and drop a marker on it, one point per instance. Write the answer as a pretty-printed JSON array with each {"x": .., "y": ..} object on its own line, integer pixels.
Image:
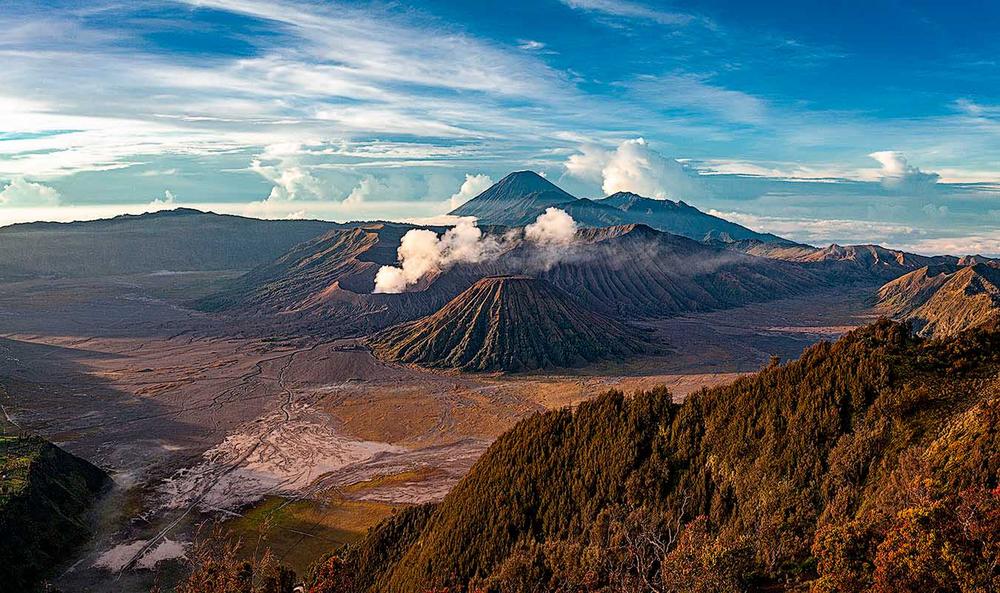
[
  {"x": 589, "y": 163},
  {"x": 691, "y": 93},
  {"x": 821, "y": 231},
  {"x": 471, "y": 187},
  {"x": 630, "y": 10},
  {"x": 637, "y": 168},
  {"x": 898, "y": 174},
  {"x": 167, "y": 202},
  {"x": 530, "y": 45},
  {"x": 988, "y": 245},
  {"x": 366, "y": 189},
  {"x": 21, "y": 192}
]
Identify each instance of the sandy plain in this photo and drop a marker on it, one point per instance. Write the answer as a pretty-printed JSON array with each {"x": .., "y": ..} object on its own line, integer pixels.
[{"x": 299, "y": 442}]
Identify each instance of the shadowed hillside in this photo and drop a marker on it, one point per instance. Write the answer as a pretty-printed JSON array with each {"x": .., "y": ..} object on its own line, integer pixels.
[
  {"x": 178, "y": 240},
  {"x": 45, "y": 494},
  {"x": 508, "y": 323},
  {"x": 636, "y": 271},
  {"x": 870, "y": 464}
]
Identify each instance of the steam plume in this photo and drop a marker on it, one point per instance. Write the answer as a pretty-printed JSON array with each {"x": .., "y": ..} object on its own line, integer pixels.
[
  {"x": 422, "y": 252},
  {"x": 554, "y": 227}
]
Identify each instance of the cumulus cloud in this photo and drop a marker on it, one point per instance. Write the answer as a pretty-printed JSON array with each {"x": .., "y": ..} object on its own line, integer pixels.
[
  {"x": 635, "y": 167},
  {"x": 553, "y": 227},
  {"x": 21, "y": 192},
  {"x": 167, "y": 202},
  {"x": 898, "y": 174},
  {"x": 280, "y": 164},
  {"x": 471, "y": 187},
  {"x": 368, "y": 187},
  {"x": 589, "y": 163}
]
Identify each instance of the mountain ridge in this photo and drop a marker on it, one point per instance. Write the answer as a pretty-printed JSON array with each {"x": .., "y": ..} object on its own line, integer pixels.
[{"x": 944, "y": 300}]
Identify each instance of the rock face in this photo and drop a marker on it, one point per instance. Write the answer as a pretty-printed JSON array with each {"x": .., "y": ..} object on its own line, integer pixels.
[
  {"x": 45, "y": 495},
  {"x": 944, "y": 300},
  {"x": 508, "y": 323}
]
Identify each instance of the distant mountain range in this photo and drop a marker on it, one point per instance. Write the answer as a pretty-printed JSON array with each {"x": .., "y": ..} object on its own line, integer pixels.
[
  {"x": 520, "y": 197},
  {"x": 178, "y": 240},
  {"x": 632, "y": 258},
  {"x": 630, "y": 271}
]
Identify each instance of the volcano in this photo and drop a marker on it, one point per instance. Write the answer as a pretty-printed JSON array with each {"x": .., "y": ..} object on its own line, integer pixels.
[
  {"x": 515, "y": 200},
  {"x": 508, "y": 323}
]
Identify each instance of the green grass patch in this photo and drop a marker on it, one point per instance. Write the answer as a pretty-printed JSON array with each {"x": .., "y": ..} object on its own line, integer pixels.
[{"x": 300, "y": 532}]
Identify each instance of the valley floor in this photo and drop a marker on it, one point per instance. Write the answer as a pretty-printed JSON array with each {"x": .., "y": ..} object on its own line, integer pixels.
[{"x": 307, "y": 442}]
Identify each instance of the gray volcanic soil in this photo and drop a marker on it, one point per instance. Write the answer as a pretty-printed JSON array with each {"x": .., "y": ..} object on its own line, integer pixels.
[{"x": 195, "y": 420}]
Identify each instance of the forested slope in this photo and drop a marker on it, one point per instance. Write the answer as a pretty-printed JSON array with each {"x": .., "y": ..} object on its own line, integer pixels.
[
  {"x": 45, "y": 495},
  {"x": 870, "y": 464}
]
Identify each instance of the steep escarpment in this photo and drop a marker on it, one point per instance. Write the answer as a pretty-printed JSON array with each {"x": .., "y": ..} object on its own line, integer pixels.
[
  {"x": 869, "y": 464},
  {"x": 944, "y": 300},
  {"x": 45, "y": 495},
  {"x": 508, "y": 323}
]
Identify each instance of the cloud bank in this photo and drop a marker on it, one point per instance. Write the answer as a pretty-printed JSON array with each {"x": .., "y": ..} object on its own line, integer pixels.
[{"x": 23, "y": 193}]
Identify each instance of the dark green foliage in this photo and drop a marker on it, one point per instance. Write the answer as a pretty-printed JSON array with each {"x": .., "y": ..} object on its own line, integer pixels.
[
  {"x": 45, "y": 494},
  {"x": 799, "y": 474}
]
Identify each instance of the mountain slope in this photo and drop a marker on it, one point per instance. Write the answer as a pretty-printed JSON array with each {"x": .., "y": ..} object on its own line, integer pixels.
[
  {"x": 315, "y": 270},
  {"x": 944, "y": 300},
  {"x": 681, "y": 219},
  {"x": 625, "y": 271},
  {"x": 873, "y": 460},
  {"x": 45, "y": 494},
  {"x": 515, "y": 200},
  {"x": 181, "y": 239},
  {"x": 636, "y": 271},
  {"x": 521, "y": 197},
  {"x": 507, "y": 323}
]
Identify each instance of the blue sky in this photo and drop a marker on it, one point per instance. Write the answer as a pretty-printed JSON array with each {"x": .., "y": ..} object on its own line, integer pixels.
[{"x": 849, "y": 122}]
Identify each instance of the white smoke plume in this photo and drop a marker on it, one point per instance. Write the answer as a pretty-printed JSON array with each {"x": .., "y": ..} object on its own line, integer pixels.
[
  {"x": 422, "y": 252},
  {"x": 554, "y": 227}
]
